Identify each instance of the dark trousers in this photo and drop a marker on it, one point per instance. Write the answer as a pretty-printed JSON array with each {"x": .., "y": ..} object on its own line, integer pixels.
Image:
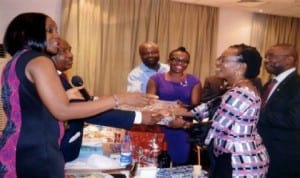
[
  {"x": 223, "y": 168},
  {"x": 212, "y": 159}
]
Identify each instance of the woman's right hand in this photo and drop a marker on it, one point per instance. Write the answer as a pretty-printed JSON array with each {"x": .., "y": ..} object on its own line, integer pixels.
[
  {"x": 151, "y": 118},
  {"x": 135, "y": 99}
]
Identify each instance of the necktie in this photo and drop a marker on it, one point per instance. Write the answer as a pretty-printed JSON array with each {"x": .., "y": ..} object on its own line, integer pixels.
[
  {"x": 267, "y": 91},
  {"x": 64, "y": 76},
  {"x": 65, "y": 81}
]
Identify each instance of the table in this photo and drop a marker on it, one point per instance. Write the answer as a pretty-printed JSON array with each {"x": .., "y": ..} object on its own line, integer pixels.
[{"x": 95, "y": 151}]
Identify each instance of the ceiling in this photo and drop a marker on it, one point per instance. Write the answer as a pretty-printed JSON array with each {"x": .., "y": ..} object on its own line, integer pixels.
[{"x": 274, "y": 7}]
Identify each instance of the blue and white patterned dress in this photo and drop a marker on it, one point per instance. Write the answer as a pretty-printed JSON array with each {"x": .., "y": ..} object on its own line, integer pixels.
[{"x": 234, "y": 131}]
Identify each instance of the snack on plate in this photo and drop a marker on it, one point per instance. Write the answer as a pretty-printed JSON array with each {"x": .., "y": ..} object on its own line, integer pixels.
[
  {"x": 89, "y": 175},
  {"x": 102, "y": 134}
]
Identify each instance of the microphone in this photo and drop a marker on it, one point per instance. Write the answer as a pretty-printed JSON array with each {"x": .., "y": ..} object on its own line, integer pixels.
[{"x": 77, "y": 81}]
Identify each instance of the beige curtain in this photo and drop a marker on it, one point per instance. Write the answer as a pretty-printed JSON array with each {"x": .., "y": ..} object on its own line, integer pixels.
[
  {"x": 3, "y": 118},
  {"x": 105, "y": 35},
  {"x": 268, "y": 30}
]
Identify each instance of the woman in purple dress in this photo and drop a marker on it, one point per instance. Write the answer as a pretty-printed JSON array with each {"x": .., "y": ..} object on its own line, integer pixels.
[{"x": 176, "y": 85}]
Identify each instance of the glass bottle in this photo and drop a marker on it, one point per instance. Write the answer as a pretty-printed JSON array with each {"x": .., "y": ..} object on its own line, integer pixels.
[
  {"x": 164, "y": 159},
  {"x": 154, "y": 151}
]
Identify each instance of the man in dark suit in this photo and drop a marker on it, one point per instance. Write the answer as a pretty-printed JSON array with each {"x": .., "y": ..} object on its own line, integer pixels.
[
  {"x": 279, "y": 123},
  {"x": 72, "y": 140}
]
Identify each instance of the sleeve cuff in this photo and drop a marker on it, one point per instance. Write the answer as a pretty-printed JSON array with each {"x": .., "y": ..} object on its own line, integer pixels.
[
  {"x": 138, "y": 117},
  {"x": 196, "y": 114}
]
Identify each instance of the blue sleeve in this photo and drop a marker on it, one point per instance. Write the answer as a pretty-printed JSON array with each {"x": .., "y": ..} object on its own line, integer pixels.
[{"x": 114, "y": 118}]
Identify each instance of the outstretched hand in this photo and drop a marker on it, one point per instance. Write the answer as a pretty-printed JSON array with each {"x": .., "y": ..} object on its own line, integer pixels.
[
  {"x": 179, "y": 122},
  {"x": 151, "y": 118},
  {"x": 136, "y": 99},
  {"x": 182, "y": 111}
]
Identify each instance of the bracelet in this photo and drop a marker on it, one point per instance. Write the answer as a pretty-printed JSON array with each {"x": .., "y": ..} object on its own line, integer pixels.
[{"x": 117, "y": 101}]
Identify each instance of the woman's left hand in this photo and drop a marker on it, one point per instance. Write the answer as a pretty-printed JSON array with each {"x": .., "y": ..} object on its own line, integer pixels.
[{"x": 179, "y": 122}]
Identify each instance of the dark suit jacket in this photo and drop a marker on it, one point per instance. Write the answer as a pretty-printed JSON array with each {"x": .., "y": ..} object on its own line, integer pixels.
[
  {"x": 279, "y": 126},
  {"x": 112, "y": 118}
]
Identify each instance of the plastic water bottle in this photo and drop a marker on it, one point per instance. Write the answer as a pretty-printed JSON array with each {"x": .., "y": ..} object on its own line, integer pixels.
[{"x": 126, "y": 151}]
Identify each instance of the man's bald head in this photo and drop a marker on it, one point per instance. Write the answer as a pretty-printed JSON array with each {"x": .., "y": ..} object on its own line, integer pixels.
[
  {"x": 280, "y": 57},
  {"x": 149, "y": 53}
]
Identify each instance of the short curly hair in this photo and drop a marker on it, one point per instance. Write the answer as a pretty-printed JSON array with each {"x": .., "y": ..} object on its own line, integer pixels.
[{"x": 251, "y": 57}]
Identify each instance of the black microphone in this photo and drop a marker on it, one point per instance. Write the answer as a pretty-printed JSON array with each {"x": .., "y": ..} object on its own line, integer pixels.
[{"x": 77, "y": 81}]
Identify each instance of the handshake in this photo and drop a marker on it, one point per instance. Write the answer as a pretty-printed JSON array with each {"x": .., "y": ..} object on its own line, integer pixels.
[
  {"x": 175, "y": 115},
  {"x": 205, "y": 110},
  {"x": 179, "y": 116},
  {"x": 169, "y": 113}
]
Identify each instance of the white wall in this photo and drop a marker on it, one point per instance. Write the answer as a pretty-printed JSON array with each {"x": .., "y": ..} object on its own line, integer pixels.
[
  {"x": 11, "y": 8},
  {"x": 234, "y": 28},
  {"x": 234, "y": 25}
]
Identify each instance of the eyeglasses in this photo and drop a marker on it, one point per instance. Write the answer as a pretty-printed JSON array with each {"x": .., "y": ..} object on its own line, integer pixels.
[
  {"x": 177, "y": 60},
  {"x": 274, "y": 56},
  {"x": 224, "y": 59}
]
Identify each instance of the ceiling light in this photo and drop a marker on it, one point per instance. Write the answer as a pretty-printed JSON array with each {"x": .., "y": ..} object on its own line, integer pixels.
[{"x": 250, "y": 3}]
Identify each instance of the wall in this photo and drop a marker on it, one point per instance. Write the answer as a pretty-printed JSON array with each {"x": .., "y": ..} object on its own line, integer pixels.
[
  {"x": 234, "y": 25},
  {"x": 11, "y": 8}
]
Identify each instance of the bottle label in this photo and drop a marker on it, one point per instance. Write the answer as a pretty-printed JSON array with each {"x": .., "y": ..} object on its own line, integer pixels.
[{"x": 125, "y": 159}]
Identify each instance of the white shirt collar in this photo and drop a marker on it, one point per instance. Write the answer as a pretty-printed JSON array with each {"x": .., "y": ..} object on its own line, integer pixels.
[
  {"x": 279, "y": 78},
  {"x": 283, "y": 75}
]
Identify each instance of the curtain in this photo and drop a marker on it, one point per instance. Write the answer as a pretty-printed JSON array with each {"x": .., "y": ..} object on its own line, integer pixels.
[
  {"x": 105, "y": 35},
  {"x": 3, "y": 118},
  {"x": 268, "y": 30}
]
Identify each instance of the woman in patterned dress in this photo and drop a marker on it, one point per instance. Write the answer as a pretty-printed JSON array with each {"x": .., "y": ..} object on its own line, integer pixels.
[{"x": 237, "y": 146}]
